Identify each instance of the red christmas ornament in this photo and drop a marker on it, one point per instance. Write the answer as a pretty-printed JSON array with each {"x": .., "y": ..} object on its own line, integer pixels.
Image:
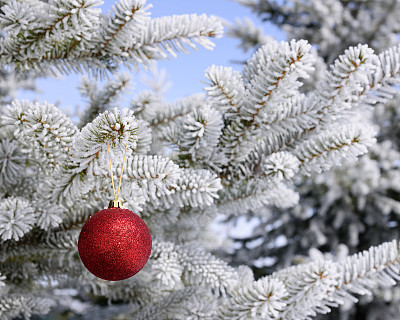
[{"x": 114, "y": 244}]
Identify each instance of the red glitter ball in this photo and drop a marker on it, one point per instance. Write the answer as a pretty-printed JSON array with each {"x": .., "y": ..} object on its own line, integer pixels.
[{"x": 114, "y": 244}]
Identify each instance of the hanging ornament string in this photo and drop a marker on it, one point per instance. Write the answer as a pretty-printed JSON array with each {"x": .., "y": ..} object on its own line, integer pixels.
[{"x": 122, "y": 170}]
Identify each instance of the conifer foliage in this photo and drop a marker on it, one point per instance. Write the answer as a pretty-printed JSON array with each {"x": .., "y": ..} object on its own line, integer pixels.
[
  {"x": 230, "y": 151},
  {"x": 351, "y": 207}
]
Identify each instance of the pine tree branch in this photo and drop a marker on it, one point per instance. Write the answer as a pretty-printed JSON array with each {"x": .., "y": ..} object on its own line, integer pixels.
[
  {"x": 226, "y": 90},
  {"x": 43, "y": 125},
  {"x": 194, "y": 188},
  {"x": 132, "y": 12},
  {"x": 285, "y": 63},
  {"x": 323, "y": 150},
  {"x": 162, "y": 114},
  {"x": 146, "y": 40},
  {"x": 255, "y": 194},
  {"x": 103, "y": 99}
]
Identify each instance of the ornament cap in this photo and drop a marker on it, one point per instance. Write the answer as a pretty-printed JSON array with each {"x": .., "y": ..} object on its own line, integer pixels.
[{"x": 116, "y": 203}]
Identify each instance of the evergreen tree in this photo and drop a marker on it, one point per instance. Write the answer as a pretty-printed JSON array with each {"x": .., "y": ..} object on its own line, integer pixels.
[
  {"x": 233, "y": 150},
  {"x": 354, "y": 206},
  {"x": 332, "y": 25}
]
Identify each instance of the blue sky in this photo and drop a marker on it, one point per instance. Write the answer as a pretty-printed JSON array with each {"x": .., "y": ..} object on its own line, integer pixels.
[{"x": 186, "y": 73}]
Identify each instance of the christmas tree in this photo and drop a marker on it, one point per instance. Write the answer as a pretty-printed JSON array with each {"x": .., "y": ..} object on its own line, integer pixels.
[
  {"x": 352, "y": 207},
  {"x": 236, "y": 149}
]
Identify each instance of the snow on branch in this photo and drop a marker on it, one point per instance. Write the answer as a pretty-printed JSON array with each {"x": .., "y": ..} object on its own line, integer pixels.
[
  {"x": 154, "y": 174},
  {"x": 50, "y": 246},
  {"x": 238, "y": 141},
  {"x": 91, "y": 143},
  {"x": 73, "y": 35},
  {"x": 100, "y": 100},
  {"x": 249, "y": 35},
  {"x": 13, "y": 158},
  {"x": 326, "y": 149},
  {"x": 160, "y": 114},
  {"x": 200, "y": 133},
  {"x": 60, "y": 31},
  {"x": 386, "y": 204},
  {"x": 146, "y": 178},
  {"x": 17, "y": 16},
  {"x": 48, "y": 215},
  {"x": 43, "y": 125},
  {"x": 144, "y": 135},
  {"x": 345, "y": 81},
  {"x": 359, "y": 274},
  {"x": 281, "y": 165},
  {"x": 19, "y": 305},
  {"x": 382, "y": 82},
  {"x": 166, "y": 265},
  {"x": 129, "y": 17},
  {"x": 302, "y": 291},
  {"x": 339, "y": 91},
  {"x": 349, "y": 83},
  {"x": 172, "y": 303},
  {"x": 226, "y": 90},
  {"x": 295, "y": 115},
  {"x": 254, "y": 195},
  {"x": 202, "y": 268},
  {"x": 194, "y": 188},
  {"x": 270, "y": 76},
  {"x": 362, "y": 272},
  {"x": 144, "y": 100},
  {"x": 273, "y": 72},
  {"x": 169, "y": 35},
  {"x": 90, "y": 158},
  {"x": 193, "y": 265},
  {"x": 261, "y": 299},
  {"x": 69, "y": 186},
  {"x": 307, "y": 287},
  {"x": 17, "y": 217}
]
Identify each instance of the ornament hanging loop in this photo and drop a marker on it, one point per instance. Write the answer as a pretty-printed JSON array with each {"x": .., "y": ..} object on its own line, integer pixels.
[{"x": 116, "y": 203}]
